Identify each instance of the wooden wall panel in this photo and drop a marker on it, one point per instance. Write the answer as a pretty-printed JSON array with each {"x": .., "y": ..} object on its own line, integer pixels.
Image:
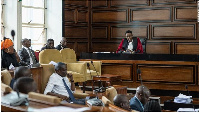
[
  {"x": 126, "y": 71},
  {"x": 82, "y": 16},
  {"x": 164, "y": 2},
  {"x": 76, "y": 3},
  {"x": 186, "y": 48},
  {"x": 184, "y": 13},
  {"x": 174, "y": 31},
  {"x": 151, "y": 14},
  {"x": 137, "y": 31},
  {"x": 104, "y": 46},
  {"x": 117, "y": 3},
  {"x": 99, "y": 3},
  {"x": 69, "y": 15},
  {"x": 81, "y": 46},
  {"x": 158, "y": 48},
  {"x": 76, "y": 32},
  {"x": 102, "y": 16},
  {"x": 99, "y": 32},
  {"x": 71, "y": 45},
  {"x": 167, "y": 73}
]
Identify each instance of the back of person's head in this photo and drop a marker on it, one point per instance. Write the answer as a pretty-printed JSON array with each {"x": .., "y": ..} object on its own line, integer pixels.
[
  {"x": 128, "y": 31},
  {"x": 22, "y": 71},
  {"x": 121, "y": 101},
  {"x": 25, "y": 85},
  {"x": 152, "y": 106}
]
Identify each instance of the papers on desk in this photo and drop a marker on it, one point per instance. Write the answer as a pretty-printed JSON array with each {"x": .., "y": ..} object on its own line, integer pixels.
[
  {"x": 62, "y": 109},
  {"x": 183, "y": 99},
  {"x": 187, "y": 110}
]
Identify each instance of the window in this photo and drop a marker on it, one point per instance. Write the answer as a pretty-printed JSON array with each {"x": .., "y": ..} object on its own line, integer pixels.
[{"x": 33, "y": 22}]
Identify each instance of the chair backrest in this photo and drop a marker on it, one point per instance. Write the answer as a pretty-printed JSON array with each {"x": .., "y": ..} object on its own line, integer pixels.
[
  {"x": 111, "y": 93},
  {"x": 49, "y": 55},
  {"x": 6, "y": 77},
  {"x": 68, "y": 55},
  {"x": 5, "y": 88},
  {"x": 48, "y": 70},
  {"x": 37, "y": 54},
  {"x": 116, "y": 108},
  {"x": 143, "y": 41}
]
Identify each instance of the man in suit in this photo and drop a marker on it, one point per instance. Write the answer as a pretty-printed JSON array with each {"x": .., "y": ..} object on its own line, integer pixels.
[
  {"x": 130, "y": 44},
  {"x": 27, "y": 55},
  {"x": 140, "y": 99},
  {"x": 121, "y": 101},
  {"x": 49, "y": 45},
  {"x": 63, "y": 44}
]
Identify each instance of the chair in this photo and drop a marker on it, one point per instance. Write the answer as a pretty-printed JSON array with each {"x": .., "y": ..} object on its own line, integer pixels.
[
  {"x": 6, "y": 77},
  {"x": 143, "y": 41},
  {"x": 69, "y": 56},
  {"x": 48, "y": 70},
  {"x": 37, "y": 52},
  {"x": 111, "y": 93},
  {"x": 5, "y": 89},
  {"x": 49, "y": 55}
]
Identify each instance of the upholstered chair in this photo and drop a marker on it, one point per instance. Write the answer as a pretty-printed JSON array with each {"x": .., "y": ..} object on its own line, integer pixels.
[
  {"x": 111, "y": 93},
  {"x": 6, "y": 77},
  {"x": 48, "y": 55}
]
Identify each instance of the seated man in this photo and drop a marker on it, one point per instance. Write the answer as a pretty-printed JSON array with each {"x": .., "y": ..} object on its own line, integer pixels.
[
  {"x": 26, "y": 54},
  {"x": 140, "y": 99},
  {"x": 63, "y": 44},
  {"x": 59, "y": 85},
  {"x": 130, "y": 44},
  {"x": 8, "y": 54},
  {"x": 25, "y": 85},
  {"x": 20, "y": 72},
  {"x": 49, "y": 45},
  {"x": 121, "y": 101}
]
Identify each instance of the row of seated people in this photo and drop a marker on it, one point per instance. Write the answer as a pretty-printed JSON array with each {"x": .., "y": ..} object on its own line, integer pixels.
[
  {"x": 61, "y": 84},
  {"x": 25, "y": 55}
]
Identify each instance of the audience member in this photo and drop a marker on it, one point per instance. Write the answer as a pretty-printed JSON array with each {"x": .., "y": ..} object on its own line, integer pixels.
[
  {"x": 63, "y": 44},
  {"x": 27, "y": 55},
  {"x": 122, "y": 101},
  {"x": 49, "y": 44},
  {"x": 130, "y": 44},
  {"x": 59, "y": 85},
  {"x": 25, "y": 85},
  {"x": 20, "y": 72},
  {"x": 8, "y": 54},
  {"x": 152, "y": 106},
  {"x": 140, "y": 99}
]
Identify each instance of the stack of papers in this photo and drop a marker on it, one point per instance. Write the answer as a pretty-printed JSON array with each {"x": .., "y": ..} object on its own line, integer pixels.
[
  {"x": 62, "y": 109},
  {"x": 187, "y": 110},
  {"x": 183, "y": 99}
]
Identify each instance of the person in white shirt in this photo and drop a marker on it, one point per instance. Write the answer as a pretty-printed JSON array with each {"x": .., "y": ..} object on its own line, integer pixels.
[
  {"x": 56, "y": 85},
  {"x": 26, "y": 54}
]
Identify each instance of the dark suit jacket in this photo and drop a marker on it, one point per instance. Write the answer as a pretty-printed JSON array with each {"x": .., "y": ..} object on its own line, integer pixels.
[
  {"x": 25, "y": 58},
  {"x": 59, "y": 47},
  {"x": 7, "y": 59},
  {"x": 135, "y": 104}
]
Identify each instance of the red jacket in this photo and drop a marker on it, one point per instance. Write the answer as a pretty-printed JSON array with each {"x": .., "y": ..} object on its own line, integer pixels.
[{"x": 124, "y": 45}]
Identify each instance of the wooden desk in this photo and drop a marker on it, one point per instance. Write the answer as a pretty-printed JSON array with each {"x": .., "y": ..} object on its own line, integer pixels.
[{"x": 108, "y": 78}]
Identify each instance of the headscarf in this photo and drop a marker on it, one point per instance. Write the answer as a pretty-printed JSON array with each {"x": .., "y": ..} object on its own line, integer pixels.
[{"x": 6, "y": 43}]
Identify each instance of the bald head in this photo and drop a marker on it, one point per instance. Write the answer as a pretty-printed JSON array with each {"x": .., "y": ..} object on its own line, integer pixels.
[
  {"x": 121, "y": 101},
  {"x": 143, "y": 94}
]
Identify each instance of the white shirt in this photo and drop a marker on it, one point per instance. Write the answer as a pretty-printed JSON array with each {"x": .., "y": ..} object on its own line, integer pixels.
[
  {"x": 31, "y": 61},
  {"x": 56, "y": 85},
  {"x": 130, "y": 45}
]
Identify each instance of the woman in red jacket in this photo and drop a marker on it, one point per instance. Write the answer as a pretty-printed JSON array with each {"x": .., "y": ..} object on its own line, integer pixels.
[{"x": 130, "y": 44}]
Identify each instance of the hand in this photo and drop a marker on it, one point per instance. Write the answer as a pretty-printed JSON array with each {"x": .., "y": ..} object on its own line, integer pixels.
[
  {"x": 69, "y": 75},
  {"x": 128, "y": 50},
  {"x": 63, "y": 97}
]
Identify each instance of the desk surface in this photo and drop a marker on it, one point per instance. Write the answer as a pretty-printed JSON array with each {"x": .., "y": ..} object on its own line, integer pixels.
[{"x": 147, "y": 57}]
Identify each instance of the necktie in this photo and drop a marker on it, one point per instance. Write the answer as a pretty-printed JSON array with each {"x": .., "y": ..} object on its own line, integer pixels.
[
  {"x": 32, "y": 57},
  {"x": 71, "y": 96}
]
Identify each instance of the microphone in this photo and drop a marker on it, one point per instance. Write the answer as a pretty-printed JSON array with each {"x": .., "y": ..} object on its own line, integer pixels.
[
  {"x": 186, "y": 87},
  {"x": 94, "y": 67},
  {"x": 13, "y": 34},
  {"x": 140, "y": 77}
]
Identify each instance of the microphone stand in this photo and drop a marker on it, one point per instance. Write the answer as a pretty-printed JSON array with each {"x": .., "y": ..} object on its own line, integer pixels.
[{"x": 186, "y": 87}]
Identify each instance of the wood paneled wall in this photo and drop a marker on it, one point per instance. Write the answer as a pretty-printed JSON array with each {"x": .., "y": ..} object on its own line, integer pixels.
[{"x": 170, "y": 26}]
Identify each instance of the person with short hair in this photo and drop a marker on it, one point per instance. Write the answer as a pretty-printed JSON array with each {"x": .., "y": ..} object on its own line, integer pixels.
[
  {"x": 49, "y": 44},
  {"x": 21, "y": 71},
  {"x": 63, "y": 44},
  {"x": 8, "y": 54},
  {"x": 140, "y": 99},
  {"x": 25, "y": 85},
  {"x": 121, "y": 101},
  {"x": 130, "y": 44},
  {"x": 27, "y": 55},
  {"x": 152, "y": 106}
]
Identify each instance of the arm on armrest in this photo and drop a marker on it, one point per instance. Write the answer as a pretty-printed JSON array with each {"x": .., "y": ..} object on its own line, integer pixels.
[
  {"x": 80, "y": 95},
  {"x": 58, "y": 95}
]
